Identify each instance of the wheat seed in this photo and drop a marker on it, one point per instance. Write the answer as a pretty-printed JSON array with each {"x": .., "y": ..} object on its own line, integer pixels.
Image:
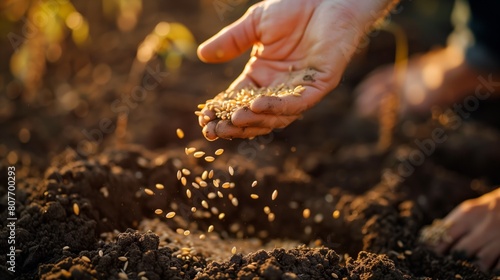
[
  {"x": 160, "y": 186},
  {"x": 219, "y": 152},
  {"x": 254, "y": 196},
  {"x": 158, "y": 211},
  {"x": 187, "y": 232},
  {"x": 267, "y": 210},
  {"x": 142, "y": 273},
  {"x": 183, "y": 181},
  {"x": 202, "y": 237},
  {"x": 188, "y": 193},
  {"x": 203, "y": 184},
  {"x": 65, "y": 248},
  {"x": 254, "y": 184},
  {"x": 231, "y": 170},
  {"x": 101, "y": 253},
  {"x": 204, "y": 175},
  {"x": 220, "y": 194},
  {"x": 186, "y": 171},
  {"x": 180, "y": 133},
  {"x": 270, "y": 217},
  {"x": 274, "y": 195},
  {"x": 125, "y": 266},
  {"x": 210, "y": 228},
  {"x": 221, "y": 216},
  {"x": 190, "y": 150},
  {"x": 214, "y": 210},
  {"x": 123, "y": 258},
  {"x": 209, "y": 158},
  {"x": 216, "y": 183},
  {"x": 198, "y": 154},
  {"x": 306, "y": 213},
  {"x": 170, "y": 215},
  {"x": 76, "y": 209},
  {"x": 336, "y": 214},
  {"x": 122, "y": 275},
  {"x": 179, "y": 174},
  {"x": 211, "y": 195},
  {"x": 85, "y": 259},
  {"x": 148, "y": 191},
  {"x": 234, "y": 201},
  {"x": 193, "y": 209},
  {"x": 226, "y": 185},
  {"x": 196, "y": 186},
  {"x": 204, "y": 204},
  {"x": 233, "y": 250},
  {"x": 211, "y": 174}
]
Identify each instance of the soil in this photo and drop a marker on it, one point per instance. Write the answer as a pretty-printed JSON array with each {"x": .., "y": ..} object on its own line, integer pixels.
[{"x": 327, "y": 163}]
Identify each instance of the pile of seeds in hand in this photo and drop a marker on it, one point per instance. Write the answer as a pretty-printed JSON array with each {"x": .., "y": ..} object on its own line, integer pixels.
[{"x": 227, "y": 102}]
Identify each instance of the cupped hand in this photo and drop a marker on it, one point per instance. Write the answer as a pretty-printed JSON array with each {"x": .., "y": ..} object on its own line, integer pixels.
[
  {"x": 474, "y": 227},
  {"x": 294, "y": 42}
]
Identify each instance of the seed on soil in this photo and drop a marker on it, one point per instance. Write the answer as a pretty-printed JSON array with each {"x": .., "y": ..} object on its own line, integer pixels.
[
  {"x": 233, "y": 250},
  {"x": 85, "y": 259},
  {"x": 125, "y": 266},
  {"x": 76, "y": 209},
  {"x": 65, "y": 248},
  {"x": 334, "y": 275},
  {"x": 234, "y": 201},
  {"x": 400, "y": 244},
  {"x": 254, "y": 196},
  {"x": 231, "y": 170},
  {"x": 158, "y": 211},
  {"x": 170, "y": 215},
  {"x": 142, "y": 273},
  {"x": 148, "y": 191},
  {"x": 210, "y": 228},
  {"x": 254, "y": 183},
  {"x": 336, "y": 214},
  {"x": 188, "y": 193},
  {"x": 101, "y": 253},
  {"x": 221, "y": 216},
  {"x": 204, "y": 175},
  {"x": 274, "y": 195},
  {"x": 198, "y": 154},
  {"x": 204, "y": 204},
  {"x": 270, "y": 217},
  {"x": 180, "y": 133},
  {"x": 123, "y": 258},
  {"x": 209, "y": 158},
  {"x": 219, "y": 152},
  {"x": 306, "y": 213},
  {"x": 183, "y": 181},
  {"x": 186, "y": 171},
  {"x": 122, "y": 275},
  {"x": 159, "y": 186}
]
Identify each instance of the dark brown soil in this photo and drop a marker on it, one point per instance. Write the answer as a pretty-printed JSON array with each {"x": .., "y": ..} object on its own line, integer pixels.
[{"x": 325, "y": 162}]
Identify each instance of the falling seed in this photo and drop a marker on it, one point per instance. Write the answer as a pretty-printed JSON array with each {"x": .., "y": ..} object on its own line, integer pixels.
[
  {"x": 214, "y": 210},
  {"x": 336, "y": 214},
  {"x": 203, "y": 184},
  {"x": 233, "y": 250},
  {"x": 211, "y": 174},
  {"x": 204, "y": 204},
  {"x": 188, "y": 193},
  {"x": 125, "y": 266},
  {"x": 209, "y": 158},
  {"x": 220, "y": 194},
  {"x": 183, "y": 181},
  {"x": 170, "y": 215},
  {"x": 76, "y": 209},
  {"x": 187, "y": 232},
  {"x": 186, "y": 171},
  {"x": 101, "y": 253},
  {"x": 65, "y": 248},
  {"x": 226, "y": 185},
  {"x": 193, "y": 209},
  {"x": 216, "y": 183},
  {"x": 179, "y": 231},
  {"x": 408, "y": 252},
  {"x": 318, "y": 218},
  {"x": 254, "y": 183},
  {"x": 142, "y": 273},
  {"x": 198, "y": 154},
  {"x": 196, "y": 186},
  {"x": 219, "y": 152},
  {"x": 231, "y": 170},
  {"x": 274, "y": 195},
  {"x": 148, "y": 191},
  {"x": 179, "y": 174},
  {"x": 400, "y": 244},
  {"x": 180, "y": 133},
  {"x": 234, "y": 201},
  {"x": 334, "y": 275},
  {"x": 160, "y": 186},
  {"x": 122, "y": 275},
  {"x": 158, "y": 211},
  {"x": 207, "y": 118},
  {"x": 210, "y": 228},
  {"x": 211, "y": 195},
  {"x": 221, "y": 216},
  {"x": 204, "y": 175},
  {"x": 85, "y": 259},
  {"x": 202, "y": 236},
  {"x": 123, "y": 258},
  {"x": 267, "y": 210},
  {"x": 270, "y": 217},
  {"x": 190, "y": 150},
  {"x": 254, "y": 196},
  {"x": 306, "y": 213}
]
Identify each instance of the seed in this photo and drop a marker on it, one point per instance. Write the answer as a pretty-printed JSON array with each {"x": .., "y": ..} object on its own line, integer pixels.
[
  {"x": 190, "y": 150},
  {"x": 226, "y": 185},
  {"x": 202, "y": 236},
  {"x": 306, "y": 213},
  {"x": 270, "y": 217},
  {"x": 254, "y": 196},
  {"x": 183, "y": 181},
  {"x": 336, "y": 214},
  {"x": 203, "y": 184},
  {"x": 216, "y": 183},
  {"x": 210, "y": 174},
  {"x": 188, "y": 193},
  {"x": 193, "y": 209},
  {"x": 458, "y": 276},
  {"x": 207, "y": 118},
  {"x": 267, "y": 210},
  {"x": 214, "y": 210},
  {"x": 85, "y": 259},
  {"x": 186, "y": 171},
  {"x": 234, "y": 201},
  {"x": 210, "y": 228},
  {"x": 219, "y": 152},
  {"x": 204, "y": 204},
  {"x": 142, "y": 273},
  {"x": 221, "y": 216},
  {"x": 187, "y": 232},
  {"x": 76, "y": 209},
  {"x": 408, "y": 252},
  {"x": 179, "y": 174},
  {"x": 122, "y": 275},
  {"x": 125, "y": 266},
  {"x": 196, "y": 186},
  {"x": 123, "y": 259},
  {"x": 233, "y": 250},
  {"x": 204, "y": 175},
  {"x": 180, "y": 133},
  {"x": 209, "y": 158},
  {"x": 274, "y": 195},
  {"x": 101, "y": 253},
  {"x": 170, "y": 215},
  {"x": 65, "y": 248},
  {"x": 254, "y": 184},
  {"x": 179, "y": 231},
  {"x": 158, "y": 211},
  {"x": 159, "y": 186},
  {"x": 198, "y": 154},
  {"x": 335, "y": 275},
  {"x": 400, "y": 244},
  {"x": 318, "y": 218},
  {"x": 211, "y": 195},
  {"x": 148, "y": 191},
  {"x": 231, "y": 170},
  {"x": 219, "y": 194}
]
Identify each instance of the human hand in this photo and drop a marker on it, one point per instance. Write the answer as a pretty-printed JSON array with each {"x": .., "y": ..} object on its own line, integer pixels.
[
  {"x": 474, "y": 227},
  {"x": 295, "y": 42}
]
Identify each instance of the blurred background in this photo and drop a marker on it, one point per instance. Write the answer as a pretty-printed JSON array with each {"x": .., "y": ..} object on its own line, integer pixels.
[{"x": 91, "y": 74}]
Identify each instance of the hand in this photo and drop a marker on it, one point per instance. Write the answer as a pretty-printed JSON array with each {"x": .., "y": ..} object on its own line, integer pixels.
[
  {"x": 474, "y": 227},
  {"x": 294, "y": 42}
]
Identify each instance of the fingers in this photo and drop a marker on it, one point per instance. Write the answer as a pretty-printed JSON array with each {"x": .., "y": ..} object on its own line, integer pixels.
[
  {"x": 245, "y": 118},
  {"x": 289, "y": 105},
  {"x": 231, "y": 41},
  {"x": 489, "y": 256},
  {"x": 225, "y": 129},
  {"x": 206, "y": 117}
]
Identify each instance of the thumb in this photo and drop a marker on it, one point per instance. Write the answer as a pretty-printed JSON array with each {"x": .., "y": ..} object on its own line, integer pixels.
[{"x": 232, "y": 40}]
